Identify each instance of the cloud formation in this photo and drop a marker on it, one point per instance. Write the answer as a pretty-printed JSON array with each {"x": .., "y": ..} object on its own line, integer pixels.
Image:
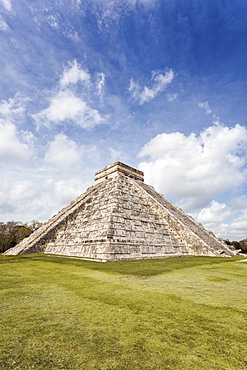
[
  {"x": 73, "y": 74},
  {"x": 73, "y": 104},
  {"x": 65, "y": 105},
  {"x": 112, "y": 10},
  {"x": 100, "y": 85},
  {"x": 12, "y": 108},
  {"x": 159, "y": 83},
  {"x": 3, "y": 24},
  {"x": 205, "y": 106},
  {"x": 224, "y": 220},
  {"x": 21, "y": 192},
  {"x": 6, "y": 4},
  {"x": 195, "y": 169},
  {"x": 63, "y": 152},
  {"x": 172, "y": 97},
  {"x": 215, "y": 213},
  {"x": 16, "y": 145}
]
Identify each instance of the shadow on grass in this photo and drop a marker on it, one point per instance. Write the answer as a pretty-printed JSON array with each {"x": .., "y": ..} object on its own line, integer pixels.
[{"x": 140, "y": 268}]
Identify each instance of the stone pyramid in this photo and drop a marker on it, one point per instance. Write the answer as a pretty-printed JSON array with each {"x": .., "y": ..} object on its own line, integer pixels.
[{"x": 120, "y": 218}]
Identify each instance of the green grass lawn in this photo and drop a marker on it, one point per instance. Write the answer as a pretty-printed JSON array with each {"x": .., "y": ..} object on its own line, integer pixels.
[{"x": 179, "y": 313}]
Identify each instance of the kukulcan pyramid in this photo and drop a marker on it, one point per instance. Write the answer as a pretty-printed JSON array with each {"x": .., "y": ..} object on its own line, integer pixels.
[{"x": 120, "y": 218}]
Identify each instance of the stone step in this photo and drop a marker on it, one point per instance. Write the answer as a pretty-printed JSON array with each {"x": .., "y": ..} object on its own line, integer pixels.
[{"x": 188, "y": 221}]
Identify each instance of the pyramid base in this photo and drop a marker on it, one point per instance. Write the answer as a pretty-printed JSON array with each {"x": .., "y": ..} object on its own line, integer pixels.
[
  {"x": 127, "y": 258},
  {"x": 118, "y": 252}
]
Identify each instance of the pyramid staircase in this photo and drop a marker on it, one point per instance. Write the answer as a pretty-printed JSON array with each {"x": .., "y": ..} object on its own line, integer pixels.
[{"x": 121, "y": 218}]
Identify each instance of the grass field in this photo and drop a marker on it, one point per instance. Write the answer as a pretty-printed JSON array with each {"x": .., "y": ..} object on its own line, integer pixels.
[{"x": 180, "y": 313}]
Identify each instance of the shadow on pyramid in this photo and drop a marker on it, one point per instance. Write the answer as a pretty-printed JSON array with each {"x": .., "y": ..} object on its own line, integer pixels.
[{"x": 121, "y": 218}]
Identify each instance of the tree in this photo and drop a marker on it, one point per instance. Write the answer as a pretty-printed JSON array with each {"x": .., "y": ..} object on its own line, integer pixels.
[
  {"x": 243, "y": 245},
  {"x": 34, "y": 225},
  {"x": 235, "y": 244},
  {"x": 22, "y": 232},
  {"x": 12, "y": 233},
  {"x": 8, "y": 235}
]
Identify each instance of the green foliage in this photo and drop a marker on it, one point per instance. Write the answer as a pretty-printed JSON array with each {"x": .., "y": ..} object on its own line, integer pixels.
[
  {"x": 181, "y": 313},
  {"x": 243, "y": 245},
  {"x": 11, "y": 233},
  {"x": 8, "y": 237},
  {"x": 34, "y": 225},
  {"x": 227, "y": 241},
  {"x": 235, "y": 244}
]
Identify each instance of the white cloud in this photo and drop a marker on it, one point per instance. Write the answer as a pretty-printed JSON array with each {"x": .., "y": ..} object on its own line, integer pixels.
[
  {"x": 51, "y": 19},
  {"x": 6, "y": 4},
  {"x": 73, "y": 74},
  {"x": 112, "y": 10},
  {"x": 239, "y": 202},
  {"x": 159, "y": 83},
  {"x": 72, "y": 102},
  {"x": 14, "y": 146},
  {"x": 66, "y": 191},
  {"x": 138, "y": 2},
  {"x": 118, "y": 155},
  {"x": 21, "y": 191},
  {"x": 234, "y": 230},
  {"x": 3, "y": 24},
  {"x": 224, "y": 221},
  {"x": 172, "y": 97},
  {"x": 91, "y": 153},
  {"x": 195, "y": 169},
  {"x": 65, "y": 105},
  {"x": 13, "y": 108},
  {"x": 63, "y": 152},
  {"x": 237, "y": 229},
  {"x": 38, "y": 190},
  {"x": 216, "y": 213},
  {"x": 68, "y": 157},
  {"x": 100, "y": 85},
  {"x": 205, "y": 106},
  {"x": 134, "y": 88}
]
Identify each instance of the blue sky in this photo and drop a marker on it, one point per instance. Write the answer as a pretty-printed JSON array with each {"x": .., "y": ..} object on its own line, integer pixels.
[{"x": 157, "y": 84}]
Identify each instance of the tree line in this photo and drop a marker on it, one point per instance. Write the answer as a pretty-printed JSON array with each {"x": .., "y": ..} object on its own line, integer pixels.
[
  {"x": 12, "y": 233},
  {"x": 242, "y": 244}
]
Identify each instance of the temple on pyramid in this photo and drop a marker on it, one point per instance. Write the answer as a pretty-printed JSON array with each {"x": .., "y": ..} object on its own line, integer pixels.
[{"x": 121, "y": 218}]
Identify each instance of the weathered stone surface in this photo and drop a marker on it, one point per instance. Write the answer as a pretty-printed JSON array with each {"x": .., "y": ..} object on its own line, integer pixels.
[{"x": 120, "y": 218}]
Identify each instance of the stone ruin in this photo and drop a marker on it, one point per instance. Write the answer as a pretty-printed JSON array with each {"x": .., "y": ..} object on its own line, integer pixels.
[{"x": 121, "y": 218}]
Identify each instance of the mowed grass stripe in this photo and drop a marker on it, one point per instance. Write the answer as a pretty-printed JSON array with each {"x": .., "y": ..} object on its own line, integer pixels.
[{"x": 183, "y": 313}]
